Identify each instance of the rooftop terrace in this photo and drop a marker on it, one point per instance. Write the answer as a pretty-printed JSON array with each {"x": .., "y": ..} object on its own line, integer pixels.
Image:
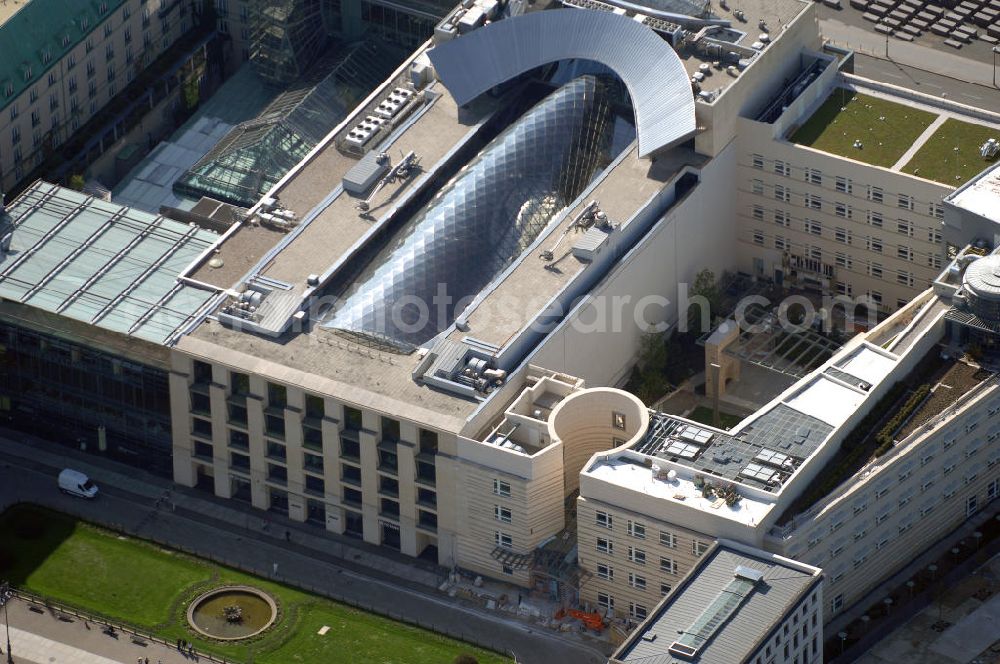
[{"x": 939, "y": 142}]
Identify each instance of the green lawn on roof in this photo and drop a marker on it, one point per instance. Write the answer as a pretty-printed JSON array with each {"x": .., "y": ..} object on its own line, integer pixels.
[
  {"x": 939, "y": 160},
  {"x": 886, "y": 129},
  {"x": 148, "y": 587}
]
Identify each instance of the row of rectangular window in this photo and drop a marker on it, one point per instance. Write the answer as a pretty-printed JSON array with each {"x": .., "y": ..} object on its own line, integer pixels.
[{"x": 846, "y": 185}]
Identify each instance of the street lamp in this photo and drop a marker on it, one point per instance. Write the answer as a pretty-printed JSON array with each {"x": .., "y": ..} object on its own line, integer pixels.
[{"x": 5, "y": 596}]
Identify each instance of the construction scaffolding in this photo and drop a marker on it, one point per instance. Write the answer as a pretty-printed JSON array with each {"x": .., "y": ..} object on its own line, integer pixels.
[{"x": 287, "y": 36}]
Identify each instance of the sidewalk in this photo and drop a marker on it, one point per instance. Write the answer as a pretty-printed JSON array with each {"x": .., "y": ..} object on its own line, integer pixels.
[
  {"x": 230, "y": 535},
  {"x": 41, "y": 638}
]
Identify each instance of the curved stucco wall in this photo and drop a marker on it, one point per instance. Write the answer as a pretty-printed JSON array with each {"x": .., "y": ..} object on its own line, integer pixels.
[{"x": 585, "y": 424}]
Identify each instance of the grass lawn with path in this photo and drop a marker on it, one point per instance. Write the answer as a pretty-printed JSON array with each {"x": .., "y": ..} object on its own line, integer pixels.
[
  {"x": 886, "y": 129},
  {"x": 938, "y": 160},
  {"x": 149, "y": 587}
]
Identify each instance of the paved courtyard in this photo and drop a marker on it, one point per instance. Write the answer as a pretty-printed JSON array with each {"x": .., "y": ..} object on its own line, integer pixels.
[{"x": 960, "y": 627}]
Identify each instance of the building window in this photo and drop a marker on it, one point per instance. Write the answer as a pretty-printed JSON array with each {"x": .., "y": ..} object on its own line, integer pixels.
[
  {"x": 276, "y": 473},
  {"x": 814, "y": 227},
  {"x": 665, "y": 589},
  {"x": 637, "y": 556},
  {"x": 757, "y": 213},
  {"x": 501, "y": 513},
  {"x": 782, "y": 194},
  {"x": 757, "y": 161},
  {"x": 844, "y": 210},
  {"x": 200, "y": 427},
  {"x": 971, "y": 505},
  {"x": 507, "y": 569},
  {"x": 844, "y": 185},
  {"x": 636, "y": 581},
  {"x": 837, "y": 603},
  {"x": 876, "y": 194},
  {"x": 636, "y": 611},
  {"x": 758, "y": 237},
  {"x": 239, "y": 461},
  {"x": 277, "y": 395},
  {"x": 606, "y": 601},
  {"x": 905, "y": 202},
  {"x": 874, "y": 244},
  {"x": 993, "y": 490},
  {"x": 875, "y": 219},
  {"x": 698, "y": 548},
  {"x": 668, "y": 539},
  {"x": 781, "y": 168},
  {"x": 618, "y": 421},
  {"x": 276, "y": 451},
  {"x": 781, "y": 243},
  {"x": 239, "y": 440},
  {"x": 603, "y": 520},
  {"x": 636, "y": 529},
  {"x": 904, "y": 227},
  {"x": 503, "y": 540},
  {"x": 315, "y": 485},
  {"x": 814, "y": 176},
  {"x": 875, "y": 270},
  {"x": 814, "y": 202},
  {"x": 842, "y": 235},
  {"x": 604, "y": 545},
  {"x": 501, "y": 488},
  {"x": 605, "y": 571},
  {"x": 757, "y": 187},
  {"x": 668, "y": 565},
  {"x": 905, "y": 278}
]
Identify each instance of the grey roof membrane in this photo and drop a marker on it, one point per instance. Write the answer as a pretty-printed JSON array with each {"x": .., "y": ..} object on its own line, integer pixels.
[
  {"x": 653, "y": 73},
  {"x": 762, "y": 453},
  {"x": 737, "y": 631},
  {"x": 101, "y": 263}
]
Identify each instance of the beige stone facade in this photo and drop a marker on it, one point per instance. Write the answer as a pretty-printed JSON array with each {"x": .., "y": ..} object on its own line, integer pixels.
[{"x": 71, "y": 90}]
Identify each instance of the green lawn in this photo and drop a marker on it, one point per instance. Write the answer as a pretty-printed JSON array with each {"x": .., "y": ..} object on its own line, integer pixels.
[
  {"x": 704, "y": 414},
  {"x": 885, "y": 129},
  {"x": 149, "y": 587},
  {"x": 938, "y": 159}
]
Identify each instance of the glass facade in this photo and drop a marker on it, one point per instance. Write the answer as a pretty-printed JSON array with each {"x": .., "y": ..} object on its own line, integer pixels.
[
  {"x": 68, "y": 393},
  {"x": 483, "y": 219}
]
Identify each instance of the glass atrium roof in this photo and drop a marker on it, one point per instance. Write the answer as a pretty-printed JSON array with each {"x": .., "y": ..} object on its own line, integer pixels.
[
  {"x": 483, "y": 219},
  {"x": 254, "y": 155},
  {"x": 102, "y": 263}
]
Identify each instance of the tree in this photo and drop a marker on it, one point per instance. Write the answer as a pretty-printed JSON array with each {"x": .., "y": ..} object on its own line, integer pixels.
[
  {"x": 706, "y": 286},
  {"x": 648, "y": 380},
  {"x": 76, "y": 182}
]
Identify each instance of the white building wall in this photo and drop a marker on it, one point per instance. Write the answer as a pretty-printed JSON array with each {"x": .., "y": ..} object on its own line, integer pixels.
[
  {"x": 901, "y": 503},
  {"x": 599, "y": 338},
  {"x": 817, "y": 214}
]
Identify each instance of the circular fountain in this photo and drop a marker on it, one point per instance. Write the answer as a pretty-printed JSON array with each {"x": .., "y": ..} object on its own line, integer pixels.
[{"x": 232, "y": 613}]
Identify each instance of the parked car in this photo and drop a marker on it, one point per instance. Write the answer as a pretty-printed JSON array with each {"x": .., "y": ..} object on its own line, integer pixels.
[{"x": 75, "y": 483}]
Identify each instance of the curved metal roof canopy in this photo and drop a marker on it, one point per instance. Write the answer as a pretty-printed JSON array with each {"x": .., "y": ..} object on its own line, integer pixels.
[{"x": 654, "y": 75}]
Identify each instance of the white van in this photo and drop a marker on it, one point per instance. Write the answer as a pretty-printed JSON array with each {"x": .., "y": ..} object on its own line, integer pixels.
[{"x": 76, "y": 483}]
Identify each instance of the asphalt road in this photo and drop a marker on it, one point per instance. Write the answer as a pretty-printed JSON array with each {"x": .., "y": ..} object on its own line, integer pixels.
[
  {"x": 32, "y": 477},
  {"x": 927, "y": 82}
]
